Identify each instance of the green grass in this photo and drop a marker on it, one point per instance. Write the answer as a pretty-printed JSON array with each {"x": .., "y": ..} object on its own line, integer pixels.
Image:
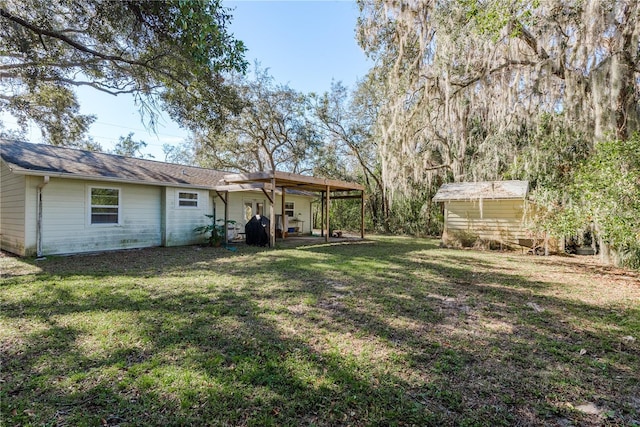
[{"x": 389, "y": 331}]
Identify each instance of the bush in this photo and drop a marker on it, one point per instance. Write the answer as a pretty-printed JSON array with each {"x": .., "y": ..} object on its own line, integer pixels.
[{"x": 607, "y": 186}]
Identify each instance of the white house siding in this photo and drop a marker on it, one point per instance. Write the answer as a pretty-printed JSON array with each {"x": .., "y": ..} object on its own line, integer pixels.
[
  {"x": 302, "y": 212},
  {"x": 181, "y": 220},
  {"x": 31, "y": 213},
  {"x": 236, "y": 207},
  {"x": 67, "y": 227},
  {"x": 12, "y": 211},
  {"x": 500, "y": 220}
]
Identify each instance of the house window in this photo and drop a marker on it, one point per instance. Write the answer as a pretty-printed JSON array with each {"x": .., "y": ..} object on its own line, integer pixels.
[
  {"x": 186, "y": 199},
  {"x": 105, "y": 206},
  {"x": 289, "y": 209}
]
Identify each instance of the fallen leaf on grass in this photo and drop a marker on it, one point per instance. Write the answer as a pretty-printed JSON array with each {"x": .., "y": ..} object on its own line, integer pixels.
[{"x": 535, "y": 306}]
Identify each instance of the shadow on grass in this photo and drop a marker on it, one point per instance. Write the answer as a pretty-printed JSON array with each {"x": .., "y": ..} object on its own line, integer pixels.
[
  {"x": 392, "y": 332},
  {"x": 202, "y": 360}
]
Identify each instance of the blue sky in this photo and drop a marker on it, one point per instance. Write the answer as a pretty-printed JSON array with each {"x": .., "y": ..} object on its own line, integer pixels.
[{"x": 305, "y": 44}]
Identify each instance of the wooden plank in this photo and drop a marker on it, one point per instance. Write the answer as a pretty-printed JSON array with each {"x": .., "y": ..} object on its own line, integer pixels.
[
  {"x": 283, "y": 216},
  {"x": 220, "y": 195},
  {"x": 244, "y": 187},
  {"x": 352, "y": 196},
  {"x": 272, "y": 223},
  {"x": 328, "y": 199},
  {"x": 362, "y": 214},
  {"x": 226, "y": 217},
  {"x": 247, "y": 177},
  {"x": 322, "y": 214},
  {"x": 269, "y": 196},
  {"x": 292, "y": 180}
]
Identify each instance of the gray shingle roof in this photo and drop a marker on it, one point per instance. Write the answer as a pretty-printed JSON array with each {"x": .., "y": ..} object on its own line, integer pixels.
[
  {"x": 482, "y": 190},
  {"x": 39, "y": 159}
]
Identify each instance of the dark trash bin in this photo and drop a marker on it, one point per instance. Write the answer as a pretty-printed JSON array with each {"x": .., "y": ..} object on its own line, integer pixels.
[{"x": 257, "y": 231}]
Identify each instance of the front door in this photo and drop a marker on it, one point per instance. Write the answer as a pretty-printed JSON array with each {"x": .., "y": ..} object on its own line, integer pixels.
[{"x": 253, "y": 207}]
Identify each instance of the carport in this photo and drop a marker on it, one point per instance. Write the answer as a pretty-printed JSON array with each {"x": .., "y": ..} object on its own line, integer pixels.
[{"x": 268, "y": 182}]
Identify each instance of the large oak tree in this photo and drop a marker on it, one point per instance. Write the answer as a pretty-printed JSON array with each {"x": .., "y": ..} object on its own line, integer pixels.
[
  {"x": 273, "y": 130},
  {"x": 481, "y": 90},
  {"x": 465, "y": 78},
  {"x": 168, "y": 54}
]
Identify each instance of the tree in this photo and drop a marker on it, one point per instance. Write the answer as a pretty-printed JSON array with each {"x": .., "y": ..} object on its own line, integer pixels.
[
  {"x": 272, "y": 131},
  {"x": 468, "y": 78},
  {"x": 347, "y": 121},
  {"x": 606, "y": 190},
  {"x": 181, "y": 154},
  {"x": 502, "y": 88},
  {"x": 171, "y": 54},
  {"x": 126, "y": 146}
]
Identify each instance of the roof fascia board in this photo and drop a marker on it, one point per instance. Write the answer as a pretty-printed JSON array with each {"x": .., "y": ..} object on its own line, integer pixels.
[
  {"x": 293, "y": 180},
  {"x": 243, "y": 187},
  {"x": 473, "y": 199},
  {"x": 20, "y": 171}
]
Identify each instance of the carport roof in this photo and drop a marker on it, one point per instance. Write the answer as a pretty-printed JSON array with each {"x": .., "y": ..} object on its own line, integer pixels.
[{"x": 288, "y": 180}]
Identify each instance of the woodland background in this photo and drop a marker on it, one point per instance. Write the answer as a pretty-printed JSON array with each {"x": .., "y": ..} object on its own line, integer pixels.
[{"x": 460, "y": 90}]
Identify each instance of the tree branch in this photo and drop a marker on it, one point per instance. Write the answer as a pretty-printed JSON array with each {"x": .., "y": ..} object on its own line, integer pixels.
[
  {"x": 82, "y": 48},
  {"x": 467, "y": 83},
  {"x": 41, "y": 31},
  {"x": 44, "y": 64},
  {"x": 106, "y": 89},
  {"x": 526, "y": 36}
]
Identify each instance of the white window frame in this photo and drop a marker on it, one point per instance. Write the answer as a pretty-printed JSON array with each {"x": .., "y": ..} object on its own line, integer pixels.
[
  {"x": 180, "y": 199},
  {"x": 291, "y": 210},
  {"x": 91, "y": 206}
]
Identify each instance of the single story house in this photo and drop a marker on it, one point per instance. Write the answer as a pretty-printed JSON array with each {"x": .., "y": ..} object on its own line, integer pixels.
[
  {"x": 485, "y": 213},
  {"x": 58, "y": 200}
]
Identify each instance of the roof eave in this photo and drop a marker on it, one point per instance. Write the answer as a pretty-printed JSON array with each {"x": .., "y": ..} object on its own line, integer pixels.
[
  {"x": 30, "y": 172},
  {"x": 474, "y": 199}
]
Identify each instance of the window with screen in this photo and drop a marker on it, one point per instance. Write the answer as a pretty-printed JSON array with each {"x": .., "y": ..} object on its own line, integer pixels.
[
  {"x": 289, "y": 209},
  {"x": 105, "y": 205},
  {"x": 187, "y": 199}
]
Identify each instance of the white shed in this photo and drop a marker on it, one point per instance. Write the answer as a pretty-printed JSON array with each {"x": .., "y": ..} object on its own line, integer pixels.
[{"x": 485, "y": 212}]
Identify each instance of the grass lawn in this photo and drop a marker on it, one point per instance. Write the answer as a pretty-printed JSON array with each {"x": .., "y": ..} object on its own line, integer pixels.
[{"x": 389, "y": 331}]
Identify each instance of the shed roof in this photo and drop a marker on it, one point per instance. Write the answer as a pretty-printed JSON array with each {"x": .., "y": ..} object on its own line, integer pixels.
[
  {"x": 38, "y": 159},
  {"x": 482, "y": 190}
]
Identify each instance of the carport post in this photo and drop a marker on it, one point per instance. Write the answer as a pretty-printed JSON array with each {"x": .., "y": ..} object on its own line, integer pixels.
[
  {"x": 282, "y": 216},
  {"x": 226, "y": 218},
  {"x": 322, "y": 214},
  {"x": 224, "y": 196},
  {"x": 272, "y": 222},
  {"x": 362, "y": 214},
  {"x": 326, "y": 208}
]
